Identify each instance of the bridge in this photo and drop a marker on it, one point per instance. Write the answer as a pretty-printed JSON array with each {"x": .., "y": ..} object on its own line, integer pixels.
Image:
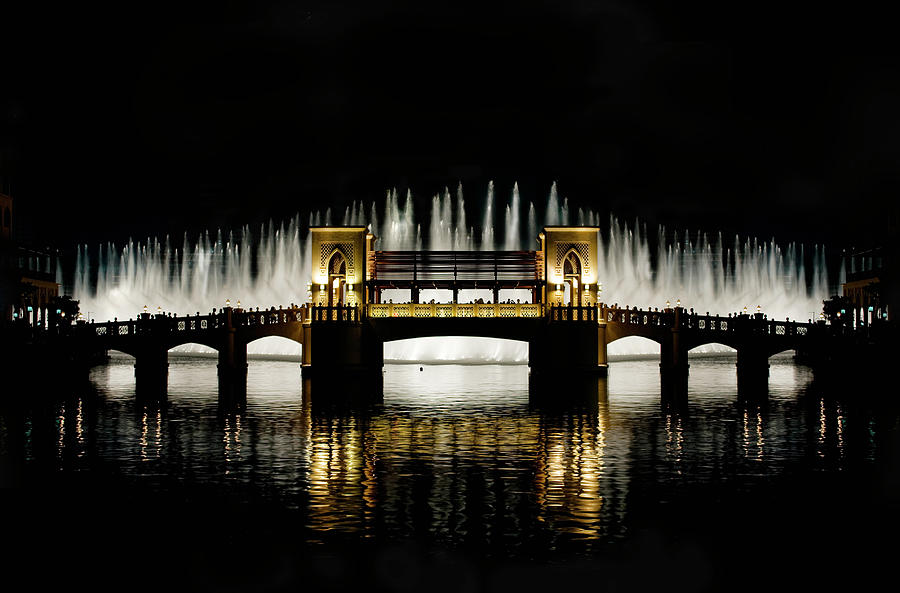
[{"x": 346, "y": 322}]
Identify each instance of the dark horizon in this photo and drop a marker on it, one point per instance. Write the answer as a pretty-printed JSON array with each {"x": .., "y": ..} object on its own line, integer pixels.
[{"x": 178, "y": 119}]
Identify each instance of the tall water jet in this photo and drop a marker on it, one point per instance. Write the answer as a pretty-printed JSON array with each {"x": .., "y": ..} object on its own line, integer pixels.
[
  {"x": 512, "y": 240},
  {"x": 487, "y": 229},
  {"x": 709, "y": 272},
  {"x": 552, "y": 216},
  {"x": 532, "y": 225}
]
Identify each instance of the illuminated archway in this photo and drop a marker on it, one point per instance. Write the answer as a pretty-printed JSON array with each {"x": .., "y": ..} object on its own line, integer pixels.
[
  {"x": 337, "y": 278},
  {"x": 711, "y": 349},
  {"x": 274, "y": 347},
  {"x": 633, "y": 347},
  {"x": 456, "y": 350}
]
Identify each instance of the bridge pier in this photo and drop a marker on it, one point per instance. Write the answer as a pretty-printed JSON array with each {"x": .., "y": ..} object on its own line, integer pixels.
[
  {"x": 752, "y": 370},
  {"x": 232, "y": 371},
  {"x": 151, "y": 371},
  {"x": 232, "y": 367},
  {"x": 560, "y": 350},
  {"x": 673, "y": 357},
  {"x": 348, "y": 356}
]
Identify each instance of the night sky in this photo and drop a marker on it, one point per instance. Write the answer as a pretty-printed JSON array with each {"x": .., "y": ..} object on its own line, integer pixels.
[{"x": 152, "y": 118}]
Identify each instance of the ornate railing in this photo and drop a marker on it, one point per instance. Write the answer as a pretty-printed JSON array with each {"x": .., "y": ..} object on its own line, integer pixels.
[
  {"x": 714, "y": 324},
  {"x": 707, "y": 324},
  {"x": 455, "y": 310},
  {"x": 570, "y": 313},
  {"x": 345, "y": 313},
  {"x": 146, "y": 324}
]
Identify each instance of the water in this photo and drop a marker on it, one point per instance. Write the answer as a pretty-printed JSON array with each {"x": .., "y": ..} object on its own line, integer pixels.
[
  {"x": 456, "y": 479},
  {"x": 271, "y": 266}
]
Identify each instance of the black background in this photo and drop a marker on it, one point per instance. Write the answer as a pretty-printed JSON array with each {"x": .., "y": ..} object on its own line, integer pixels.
[{"x": 136, "y": 119}]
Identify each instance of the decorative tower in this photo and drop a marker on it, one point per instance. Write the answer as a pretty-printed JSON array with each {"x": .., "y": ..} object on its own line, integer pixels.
[
  {"x": 340, "y": 258},
  {"x": 569, "y": 270}
]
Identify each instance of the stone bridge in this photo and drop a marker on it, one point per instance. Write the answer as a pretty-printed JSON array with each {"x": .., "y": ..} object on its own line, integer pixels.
[{"x": 342, "y": 340}]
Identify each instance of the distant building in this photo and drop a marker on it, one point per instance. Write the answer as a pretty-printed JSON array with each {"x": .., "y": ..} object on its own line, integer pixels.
[
  {"x": 869, "y": 291},
  {"x": 28, "y": 287}
]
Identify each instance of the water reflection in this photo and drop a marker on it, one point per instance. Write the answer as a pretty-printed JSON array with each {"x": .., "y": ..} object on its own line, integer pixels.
[{"x": 452, "y": 455}]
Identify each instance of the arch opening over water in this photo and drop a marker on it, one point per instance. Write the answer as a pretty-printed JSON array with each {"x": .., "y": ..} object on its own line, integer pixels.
[
  {"x": 633, "y": 346},
  {"x": 274, "y": 347},
  {"x": 456, "y": 350},
  {"x": 711, "y": 348},
  {"x": 192, "y": 348}
]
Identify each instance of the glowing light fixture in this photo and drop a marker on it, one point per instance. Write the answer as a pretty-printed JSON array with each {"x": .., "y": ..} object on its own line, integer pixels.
[
  {"x": 158, "y": 310},
  {"x": 745, "y": 309},
  {"x": 145, "y": 308},
  {"x": 668, "y": 304},
  {"x": 758, "y": 310},
  {"x": 227, "y": 302},
  {"x": 678, "y": 303},
  {"x": 239, "y": 304}
]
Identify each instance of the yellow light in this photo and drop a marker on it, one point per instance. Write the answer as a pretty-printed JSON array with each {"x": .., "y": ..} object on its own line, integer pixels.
[
  {"x": 227, "y": 302},
  {"x": 668, "y": 304},
  {"x": 758, "y": 309},
  {"x": 745, "y": 309},
  {"x": 678, "y": 303},
  {"x": 145, "y": 308},
  {"x": 239, "y": 304},
  {"x": 158, "y": 310}
]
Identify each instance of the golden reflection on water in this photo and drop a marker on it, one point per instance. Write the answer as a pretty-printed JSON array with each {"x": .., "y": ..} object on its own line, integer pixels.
[
  {"x": 61, "y": 427},
  {"x": 424, "y": 471},
  {"x": 822, "y": 428},
  {"x": 341, "y": 474},
  {"x": 232, "y": 440},
  {"x": 675, "y": 439},
  {"x": 151, "y": 434},
  {"x": 454, "y": 455}
]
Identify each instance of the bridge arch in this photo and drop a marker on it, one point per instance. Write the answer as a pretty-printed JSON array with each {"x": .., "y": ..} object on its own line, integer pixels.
[
  {"x": 337, "y": 277},
  {"x": 633, "y": 345},
  {"x": 780, "y": 350},
  {"x": 189, "y": 346},
  {"x": 117, "y": 352},
  {"x": 275, "y": 345},
  {"x": 572, "y": 271},
  {"x": 712, "y": 348},
  {"x": 456, "y": 349}
]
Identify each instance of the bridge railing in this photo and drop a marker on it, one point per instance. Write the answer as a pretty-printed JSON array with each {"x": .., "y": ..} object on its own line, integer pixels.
[
  {"x": 155, "y": 324},
  {"x": 754, "y": 324},
  {"x": 271, "y": 317},
  {"x": 457, "y": 310},
  {"x": 572, "y": 313},
  {"x": 637, "y": 317},
  {"x": 341, "y": 313}
]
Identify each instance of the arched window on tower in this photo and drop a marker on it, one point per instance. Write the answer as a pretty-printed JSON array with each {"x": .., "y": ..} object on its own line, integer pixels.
[{"x": 572, "y": 265}]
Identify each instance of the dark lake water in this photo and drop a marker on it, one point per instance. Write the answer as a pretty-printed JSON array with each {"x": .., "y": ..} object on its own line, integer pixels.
[{"x": 456, "y": 481}]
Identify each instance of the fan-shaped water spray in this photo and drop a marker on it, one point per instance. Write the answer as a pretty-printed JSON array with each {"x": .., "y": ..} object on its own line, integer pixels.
[{"x": 272, "y": 267}]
